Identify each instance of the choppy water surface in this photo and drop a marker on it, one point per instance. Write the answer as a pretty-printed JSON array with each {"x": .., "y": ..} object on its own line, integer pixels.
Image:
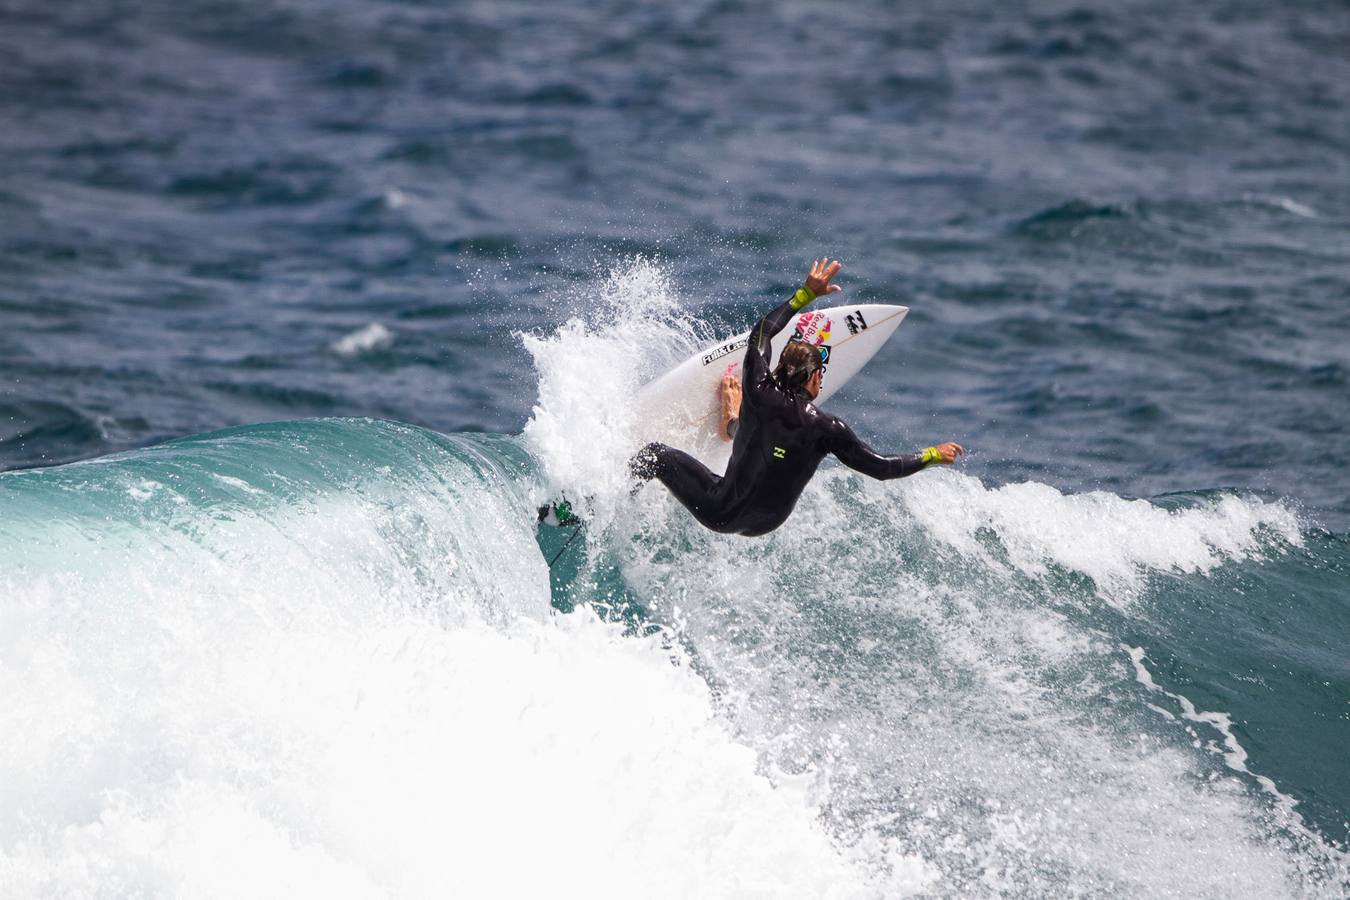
[{"x": 1124, "y": 232}]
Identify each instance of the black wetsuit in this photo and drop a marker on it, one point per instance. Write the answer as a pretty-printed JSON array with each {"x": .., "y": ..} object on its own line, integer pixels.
[{"x": 780, "y": 440}]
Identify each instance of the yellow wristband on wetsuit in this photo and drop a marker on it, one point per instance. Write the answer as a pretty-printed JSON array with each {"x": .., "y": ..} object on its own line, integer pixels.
[
  {"x": 931, "y": 455},
  {"x": 803, "y": 296}
]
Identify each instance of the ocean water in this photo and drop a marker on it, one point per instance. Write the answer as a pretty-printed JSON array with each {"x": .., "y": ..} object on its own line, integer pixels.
[{"x": 307, "y": 305}]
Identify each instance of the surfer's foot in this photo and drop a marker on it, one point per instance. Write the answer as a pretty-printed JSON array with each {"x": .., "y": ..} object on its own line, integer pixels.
[{"x": 730, "y": 393}]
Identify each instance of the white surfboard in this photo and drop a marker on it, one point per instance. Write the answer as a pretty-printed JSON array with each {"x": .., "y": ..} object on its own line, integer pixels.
[{"x": 681, "y": 408}]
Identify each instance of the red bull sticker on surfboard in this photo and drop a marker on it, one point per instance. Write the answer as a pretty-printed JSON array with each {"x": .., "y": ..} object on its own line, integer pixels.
[{"x": 813, "y": 328}]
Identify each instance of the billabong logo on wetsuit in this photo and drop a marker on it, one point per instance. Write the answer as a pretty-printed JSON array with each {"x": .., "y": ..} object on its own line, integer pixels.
[
  {"x": 780, "y": 453},
  {"x": 724, "y": 350}
]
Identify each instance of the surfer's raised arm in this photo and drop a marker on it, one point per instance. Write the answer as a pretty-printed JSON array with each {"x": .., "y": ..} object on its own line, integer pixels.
[{"x": 760, "y": 349}]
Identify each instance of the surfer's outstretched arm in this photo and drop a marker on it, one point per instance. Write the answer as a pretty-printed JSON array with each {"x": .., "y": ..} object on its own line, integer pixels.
[
  {"x": 760, "y": 350},
  {"x": 852, "y": 452}
]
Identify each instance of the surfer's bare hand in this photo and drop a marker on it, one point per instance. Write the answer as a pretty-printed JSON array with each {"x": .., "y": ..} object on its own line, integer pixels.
[
  {"x": 731, "y": 401},
  {"x": 949, "y": 452},
  {"x": 822, "y": 270}
]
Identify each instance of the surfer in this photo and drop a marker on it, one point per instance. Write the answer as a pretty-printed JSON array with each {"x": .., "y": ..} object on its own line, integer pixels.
[{"x": 778, "y": 436}]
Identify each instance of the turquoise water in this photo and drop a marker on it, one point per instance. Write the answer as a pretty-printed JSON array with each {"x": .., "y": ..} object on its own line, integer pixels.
[{"x": 330, "y": 650}]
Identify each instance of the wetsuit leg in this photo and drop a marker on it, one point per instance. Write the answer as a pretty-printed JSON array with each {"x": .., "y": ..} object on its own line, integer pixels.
[{"x": 692, "y": 483}]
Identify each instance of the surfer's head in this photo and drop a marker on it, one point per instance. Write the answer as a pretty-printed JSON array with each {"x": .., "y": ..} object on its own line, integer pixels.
[{"x": 799, "y": 368}]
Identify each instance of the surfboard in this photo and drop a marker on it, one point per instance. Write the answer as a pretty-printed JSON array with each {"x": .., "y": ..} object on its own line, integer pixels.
[{"x": 681, "y": 408}]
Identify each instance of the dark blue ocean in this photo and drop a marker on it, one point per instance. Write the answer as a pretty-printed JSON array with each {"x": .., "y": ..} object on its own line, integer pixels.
[{"x": 305, "y": 305}]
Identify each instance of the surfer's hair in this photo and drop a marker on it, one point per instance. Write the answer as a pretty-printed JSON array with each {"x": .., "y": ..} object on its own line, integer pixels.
[{"x": 796, "y": 365}]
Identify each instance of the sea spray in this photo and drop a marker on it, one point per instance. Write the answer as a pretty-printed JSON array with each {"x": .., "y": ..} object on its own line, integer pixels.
[{"x": 628, "y": 329}]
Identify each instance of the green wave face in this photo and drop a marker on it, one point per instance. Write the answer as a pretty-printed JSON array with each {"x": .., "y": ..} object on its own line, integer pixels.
[{"x": 308, "y": 504}]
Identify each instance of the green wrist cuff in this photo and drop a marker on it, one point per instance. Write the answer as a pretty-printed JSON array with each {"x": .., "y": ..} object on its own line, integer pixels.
[
  {"x": 802, "y": 297},
  {"x": 931, "y": 455}
]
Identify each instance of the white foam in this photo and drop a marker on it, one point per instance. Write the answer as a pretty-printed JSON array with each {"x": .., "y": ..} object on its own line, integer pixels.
[
  {"x": 238, "y": 484},
  {"x": 628, "y": 328},
  {"x": 143, "y": 489},
  {"x": 365, "y": 695},
  {"x": 367, "y": 339},
  {"x": 881, "y": 637},
  {"x": 1293, "y": 207},
  {"x": 1115, "y": 541},
  {"x": 402, "y": 760}
]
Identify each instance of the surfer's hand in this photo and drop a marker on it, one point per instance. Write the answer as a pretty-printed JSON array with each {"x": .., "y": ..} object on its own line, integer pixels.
[
  {"x": 948, "y": 452},
  {"x": 730, "y": 396},
  {"x": 822, "y": 270}
]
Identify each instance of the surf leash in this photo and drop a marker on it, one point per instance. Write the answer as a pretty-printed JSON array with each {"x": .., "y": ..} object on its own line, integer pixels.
[{"x": 559, "y": 554}]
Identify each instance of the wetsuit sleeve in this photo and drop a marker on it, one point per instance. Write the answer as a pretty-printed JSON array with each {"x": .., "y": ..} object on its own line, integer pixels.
[
  {"x": 760, "y": 349},
  {"x": 852, "y": 452}
]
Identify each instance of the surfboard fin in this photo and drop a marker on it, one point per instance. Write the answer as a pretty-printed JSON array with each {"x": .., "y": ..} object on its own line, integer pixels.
[{"x": 559, "y": 513}]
